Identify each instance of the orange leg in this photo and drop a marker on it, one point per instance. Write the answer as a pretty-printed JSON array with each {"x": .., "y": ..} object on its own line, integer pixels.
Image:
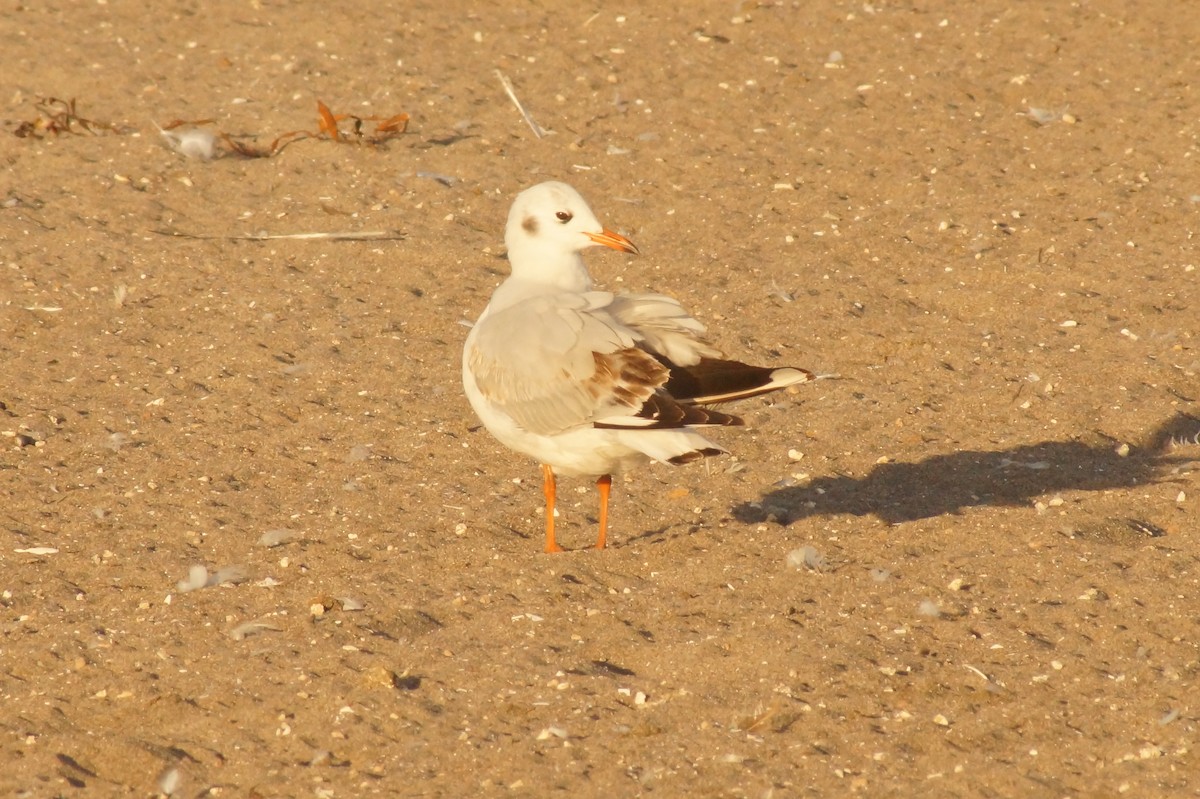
[
  {"x": 548, "y": 486},
  {"x": 604, "y": 486}
]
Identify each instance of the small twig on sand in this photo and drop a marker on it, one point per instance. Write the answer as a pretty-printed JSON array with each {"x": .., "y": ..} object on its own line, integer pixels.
[
  {"x": 368, "y": 235},
  {"x": 537, "y": 129}
]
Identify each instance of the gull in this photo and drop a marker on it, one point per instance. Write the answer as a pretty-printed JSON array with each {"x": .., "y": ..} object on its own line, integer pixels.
[{"x": 588, "y": 382}]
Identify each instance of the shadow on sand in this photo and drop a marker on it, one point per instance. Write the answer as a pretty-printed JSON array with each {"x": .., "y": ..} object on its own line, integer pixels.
[{"x": 942, "y": 484}]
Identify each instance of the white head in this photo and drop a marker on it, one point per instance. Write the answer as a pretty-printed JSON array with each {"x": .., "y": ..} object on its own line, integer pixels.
[{"x": 548, "y": 226}]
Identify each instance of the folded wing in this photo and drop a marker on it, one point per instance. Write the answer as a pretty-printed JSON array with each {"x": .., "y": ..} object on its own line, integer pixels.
[{"x": 636, "y": 361}]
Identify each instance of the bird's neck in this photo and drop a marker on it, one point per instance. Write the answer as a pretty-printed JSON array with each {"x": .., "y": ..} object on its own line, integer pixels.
[
  {"x": 526, "y": 283},
  {"x": 559, "y": 271}
]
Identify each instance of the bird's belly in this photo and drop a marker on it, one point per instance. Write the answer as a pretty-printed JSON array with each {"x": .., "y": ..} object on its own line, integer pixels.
[{"x": 583, "y": 451}]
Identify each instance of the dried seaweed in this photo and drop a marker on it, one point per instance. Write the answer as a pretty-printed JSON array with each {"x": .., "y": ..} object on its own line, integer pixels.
[
  {"x": 56, "y": 117},
  {"x": 201, "y": 139},
  {"x": 328, "y": 127}
]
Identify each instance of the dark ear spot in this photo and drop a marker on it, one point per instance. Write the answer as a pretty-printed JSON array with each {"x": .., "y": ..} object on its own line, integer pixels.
[{"x": 530, "y": 224}]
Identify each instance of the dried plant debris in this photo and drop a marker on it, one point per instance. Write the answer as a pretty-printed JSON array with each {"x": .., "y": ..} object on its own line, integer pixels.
[
  {"x": 1148, "y": 528},
  {"x": 537, "y": 129},
  {"x": 199, "y": 139},
  {"x": 193, "y": 139},
  {"x": 355, "y": 235},
  {"x": 770, "y": 719},
  {"x": 56, "y": 117},
  {"x": 385, "y": 127},
  {"x": 37, "y": 551}
]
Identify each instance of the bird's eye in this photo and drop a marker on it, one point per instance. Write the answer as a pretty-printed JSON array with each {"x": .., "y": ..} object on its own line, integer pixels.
[{"x": 563, "y": 216}]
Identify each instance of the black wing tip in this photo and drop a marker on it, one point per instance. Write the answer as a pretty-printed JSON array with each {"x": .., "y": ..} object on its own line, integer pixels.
[
  {"x": 663, "y": 412},
  {"x": 715, "y": 380}
]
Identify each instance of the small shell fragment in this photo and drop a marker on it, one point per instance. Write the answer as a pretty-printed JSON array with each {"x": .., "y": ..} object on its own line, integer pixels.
[
  {"x": 359, "y": 453},
  {"x": 1045, "y": 116},
  {"x": 192, "y": 142},
  {"x": 197, "y": 578},
  {"x": 227, "y": 574},
  {"x": 169, "y": 781},
  {"x": 929, "y": 608},
  {"x": 806, "y": 557},
  {"x": 350, "y": 603},
  {"x": 274, "y": 538},
  {"x": 244, "y": 631}
]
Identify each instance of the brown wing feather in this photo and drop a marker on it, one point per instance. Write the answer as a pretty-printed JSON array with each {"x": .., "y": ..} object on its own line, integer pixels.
[
  {"x": 629, "y": 376},
  {"x": 634, "y": 379}
]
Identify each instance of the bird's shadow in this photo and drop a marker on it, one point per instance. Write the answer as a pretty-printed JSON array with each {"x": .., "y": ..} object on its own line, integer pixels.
[{"x": 945, "y": 484}]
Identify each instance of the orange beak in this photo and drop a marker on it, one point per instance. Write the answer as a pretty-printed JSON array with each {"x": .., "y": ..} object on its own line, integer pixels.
[{"x": 615, "y": 240}]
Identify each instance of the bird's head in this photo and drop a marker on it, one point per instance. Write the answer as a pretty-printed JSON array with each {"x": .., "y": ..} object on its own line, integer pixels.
[{"x": 548, "y": 226}]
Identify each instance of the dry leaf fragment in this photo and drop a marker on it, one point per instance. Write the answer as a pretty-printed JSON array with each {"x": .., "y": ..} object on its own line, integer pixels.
[
  {"x": 385, "y": 127},
  {"x": 397, "y": 124},
  {"x": 328, "y": 122}
]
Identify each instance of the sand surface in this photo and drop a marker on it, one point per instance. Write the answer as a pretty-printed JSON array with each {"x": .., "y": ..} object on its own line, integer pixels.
[{"x": 981, "y": 216}]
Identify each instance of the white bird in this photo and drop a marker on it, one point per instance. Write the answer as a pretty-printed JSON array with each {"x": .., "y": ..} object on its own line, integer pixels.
[{"x": 587, "y": 382}]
